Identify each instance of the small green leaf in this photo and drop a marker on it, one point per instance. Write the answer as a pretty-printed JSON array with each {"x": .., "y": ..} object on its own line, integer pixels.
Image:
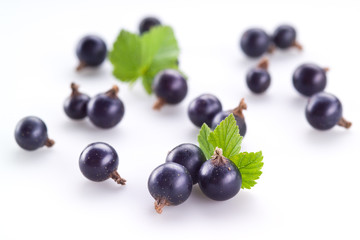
[
  {"x": 204, "y": 144},
  {"x": 227, "y": 137},
  {"x": 147, "y": 83},
  {"x": 126, "y": 57},
  {"x": 159, "y": 45},
  {"x": 135, "y": 56},
  {"x": 249, "y": 165}
]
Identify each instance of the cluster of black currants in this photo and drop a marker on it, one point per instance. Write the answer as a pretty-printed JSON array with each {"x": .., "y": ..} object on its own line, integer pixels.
[
  {"x": 171, "y": 183},
  {"x": 323, "y": 110},
  {"x": 207, "y": 109},
  {"x": 255, "y": 42},
  {"x": 105, "y": 110}
]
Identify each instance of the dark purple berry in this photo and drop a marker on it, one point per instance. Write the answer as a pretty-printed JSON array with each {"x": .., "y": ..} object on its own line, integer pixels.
[
  {"x": 91, "y": 51},
  {"x": 258, "y": 79},
  {"x": 219, "y": 178},
  {"x": 99, "y": 162},
  {"x": 31, "y": 134},
  {"x": 170, "y": 87},
  {"x": 238, "y": 114},
  {"x": 285, "y": 37},
  {"x": 203, "y": 109},
  {"x": 76, "y": 104},
  {"x": 106, "y": 110},
  {"x": 147, "y": 23},
  {"x": 324, "y": 111},
  {"x": 190, "y": 156},
  {"x": 309, "y": 79},
  {"x": 169, "y": 184},
  {"x": 255, "y": 42}
]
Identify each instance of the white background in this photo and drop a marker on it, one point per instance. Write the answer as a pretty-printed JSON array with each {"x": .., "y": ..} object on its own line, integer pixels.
[{"x": 310, "y": 183}]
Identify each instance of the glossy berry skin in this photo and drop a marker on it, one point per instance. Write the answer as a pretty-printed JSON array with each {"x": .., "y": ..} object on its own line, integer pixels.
[
  {"x": 75, "y": 106},
  {"x": 224, "y": 114},
  {"x": 255, "y": 42},
  {"x": 170, "y": 86},
  {"x": 284, "y": 36},
  {"x": 105, "y": 110},
  {"x": 91, "y": 51},
  {"x": 147, "y": 23},
  {"x": 309, "y": 79},
  {"x": 219, "y": 183},
  {"x": 31, "y": 133},
  {"x": 190, "y": 156},
  {"x": 323, "y": 111},
  {"x": 258, "y": 80},
  {"x": 97, "y": 161},
  {"x": 203, "y": 109},
  {"x": 169, "y": 184}
]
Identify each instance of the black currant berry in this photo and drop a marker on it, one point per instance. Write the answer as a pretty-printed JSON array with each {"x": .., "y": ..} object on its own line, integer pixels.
[
  {"x": 99, "y": 162},
  {"x": 255, "y": 42},
  {"x": 190, "y": 156},
  {"x": 76, "y": 104},
  {"x": 169, "y": 184},
  {"x": 238, "y": 114},
  {"x": 147, "y": 23},
  {"x": 31, "y": 134},
  {"x": 309, "y": 79},
  {"x": 219, "y": 178},
  {"x": 203, "y": 109},
  {"x": 91, "y": 52},
  {"x": 324, "y": 111},
  {"x": 258, "y": 79},
  {"x": 285, "y": 37},
  {"x": 106, "y": 110},
  {"x": 170, "y": 87}
]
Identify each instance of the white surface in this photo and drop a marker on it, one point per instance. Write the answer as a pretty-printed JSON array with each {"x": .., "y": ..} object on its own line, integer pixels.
[{"x": 310, "y": 183}]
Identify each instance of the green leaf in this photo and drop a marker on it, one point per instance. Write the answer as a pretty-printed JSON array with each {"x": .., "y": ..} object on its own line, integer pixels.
[
  {"x": 249, "y": 165},
  {"x": 227, "y": 137},
  {"x": 159, "y": 45},
  {"x": 126, "y": 57},
  {"x": 205, "y": 145},
  {"x": 135, "y": 56}
]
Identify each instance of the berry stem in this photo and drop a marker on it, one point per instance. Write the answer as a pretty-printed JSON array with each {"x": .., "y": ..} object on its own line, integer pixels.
[
  {"x": 49, "y": 142},
  {"x": 75, "y": 90},
  {"x": 218, "y": 159},
  {"x": 297, "y": 45},
  {"x": 238, "y": 111},
  {"x": 263, "y": 64},
  {"x": 344, "y": 123},
  {"x": 113, "y": 92},
  {"x": 326, "y": 69},
  {"x": 116, "y": 177},
  {"x": 159, "y": 104},
  {"x": 160, "y": 203},
  {"x": 271, "y": 49},
  {"x": 80, "y": 66}
]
